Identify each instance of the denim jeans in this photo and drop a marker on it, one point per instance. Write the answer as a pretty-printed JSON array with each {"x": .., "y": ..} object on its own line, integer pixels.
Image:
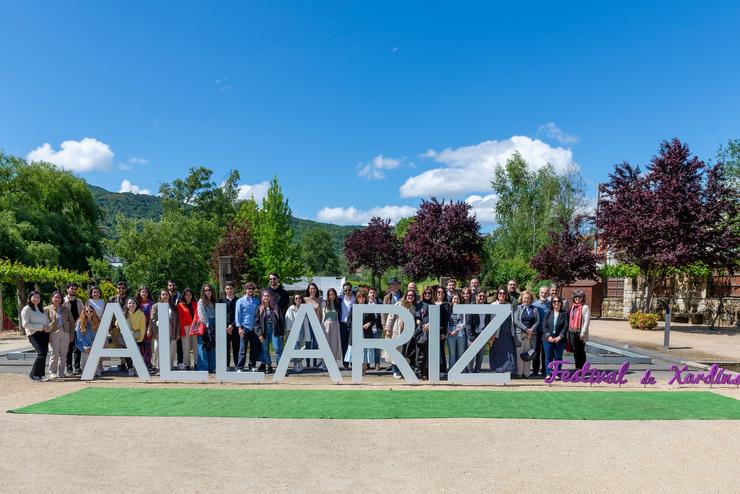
[
  {"x": 553, "y": 351},
  {"x": 277, "y": 346},
  {"x": 376, "y": 351},
  {"x": 206, "y": 358},
  {"x": 456, "y": 346}
]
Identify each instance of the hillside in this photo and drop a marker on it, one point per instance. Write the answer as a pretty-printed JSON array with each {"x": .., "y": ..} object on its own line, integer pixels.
[{"x": 142, "y": 206}]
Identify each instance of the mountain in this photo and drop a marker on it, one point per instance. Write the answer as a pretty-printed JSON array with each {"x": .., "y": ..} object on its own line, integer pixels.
[{"x": 143, "y": 206}]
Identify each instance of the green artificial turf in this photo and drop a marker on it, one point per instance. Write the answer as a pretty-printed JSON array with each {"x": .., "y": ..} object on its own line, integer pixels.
[{"x": 390, "y": 404}]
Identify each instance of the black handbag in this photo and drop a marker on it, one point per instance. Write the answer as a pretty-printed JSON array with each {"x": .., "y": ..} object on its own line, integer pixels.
[{"x": 528, "y": 355}]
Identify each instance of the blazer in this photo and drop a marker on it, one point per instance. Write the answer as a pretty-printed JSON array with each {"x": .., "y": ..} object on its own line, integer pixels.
[
  {"x": 260, "y": 323},
  {"x": 367, "y": 317},
  {"x": 472, "y": 323},
  {"x": 519, "y": 325},
  {"x": 68, "y": 322},
  {"x": 174, "y": 322},
  {"x": 560, "y": 329}
]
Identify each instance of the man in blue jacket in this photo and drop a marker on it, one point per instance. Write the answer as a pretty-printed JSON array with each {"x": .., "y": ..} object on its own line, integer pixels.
[{"x": 244, "y": 315}]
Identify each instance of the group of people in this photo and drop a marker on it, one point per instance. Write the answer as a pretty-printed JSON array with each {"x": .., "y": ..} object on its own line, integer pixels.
[{"x": 537, "y": 331}]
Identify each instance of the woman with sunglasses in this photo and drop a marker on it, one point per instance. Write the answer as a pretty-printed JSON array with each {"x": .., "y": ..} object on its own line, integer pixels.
[
  {"x": 579, "y": 318},
  {"x": 207, "y": 342},
  {"x": 502, "y": 357},
  {"x": 440, "y": 298},
  {"x": 555, "y": 333},
  {"x": 85, "y": 331}
]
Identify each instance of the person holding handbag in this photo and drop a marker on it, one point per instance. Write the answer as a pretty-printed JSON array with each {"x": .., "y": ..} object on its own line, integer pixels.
[
  {"x": 206, "y": 330},
  {"x": 578, "y": 322},
  {"x": 186, "y": 310},
  {"x": 526, "y": 321}
]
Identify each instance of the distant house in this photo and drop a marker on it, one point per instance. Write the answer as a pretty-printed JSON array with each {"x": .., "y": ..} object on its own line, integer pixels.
[{"x": 114, "y": 262}]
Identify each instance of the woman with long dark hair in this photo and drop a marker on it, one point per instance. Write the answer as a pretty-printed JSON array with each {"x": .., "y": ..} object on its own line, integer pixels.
[
  {"x": 145, "y": 301},
  {"x": 555, "y": 333},
  {"x": 96, "y": 301},
  {"x": 35, "y": 323},
  {"x": 269, "y": 326},
  {"x": 444, "y": 318},
  {"x": 394, "y": 325},
  {"x": 174, "y": 329},
  {"x": 313, "y": 298},
  {"x": 61, "y": 332},
  {"x": 207, "y": 342},
  {"x": 330, "y": 321},
  {"x": 186, "y": 309}
]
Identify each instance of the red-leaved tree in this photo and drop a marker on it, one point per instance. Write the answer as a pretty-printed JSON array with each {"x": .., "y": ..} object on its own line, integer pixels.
[
  {"x": 443, "y": 240},
  {"x": 568, "y": 257},
  {"x": 238, "y": 243},
  {"x": 679, "y": 212},
  {"x": 374, "y": 247}
]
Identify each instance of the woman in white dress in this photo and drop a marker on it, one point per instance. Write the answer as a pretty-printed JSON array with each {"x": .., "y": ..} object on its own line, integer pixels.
[{"x": 330, "y": 316}]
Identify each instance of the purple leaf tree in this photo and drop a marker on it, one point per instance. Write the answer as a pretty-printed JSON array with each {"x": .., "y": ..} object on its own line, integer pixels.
[
  {"x": 679, "y": 212},
  {"x": 568, "y": 257},
  {"x": 374, "y": 247},
  {"x": 443, "y": 240}
]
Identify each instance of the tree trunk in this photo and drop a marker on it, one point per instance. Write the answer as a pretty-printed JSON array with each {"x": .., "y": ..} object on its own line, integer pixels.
[
  {"x": 650, "y": 287},
  {"x": 21, "y": 299},
  {"x": 2, "y": 312}
]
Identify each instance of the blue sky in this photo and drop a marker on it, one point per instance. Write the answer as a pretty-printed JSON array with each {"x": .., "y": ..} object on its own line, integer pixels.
[{"x": 363, "y": 105}]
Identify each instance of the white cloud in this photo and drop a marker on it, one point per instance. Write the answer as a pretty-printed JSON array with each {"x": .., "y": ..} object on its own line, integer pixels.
[
  {"x": 258, "y": 191},
  {"x": 470, "y": 168},
  {"x": 554, "y": 132},
  {"x": 353, "y": 216},
  {"x": 373, "y": 169},
  {"x": 483, "y": 208},
  {"x": 127, "y": 186},
  {"x": 138, "y": 161},
  {"x": 78, "y": 156}
]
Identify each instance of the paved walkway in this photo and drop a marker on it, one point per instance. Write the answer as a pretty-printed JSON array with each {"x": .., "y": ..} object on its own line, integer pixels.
[{"x": 688, "y": 342}]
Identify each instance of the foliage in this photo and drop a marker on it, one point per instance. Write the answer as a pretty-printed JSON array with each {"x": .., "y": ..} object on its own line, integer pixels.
[
  {"x": 47, "y": 216},
  {"x": 177, "y": 247},
  {"x": 678, "y": 213},
  {"x": 318, "y": 253},
  {"x": 515, "y": 268},
  {"x": 273, "y": 235},
  {"x": 238, "y": 243},
  {"x": 128, "y": 204},
  {"x": 14, "y": 271},
  {"x": 100, "y": 269},
  {"x": 374, "y": 247},
  {"x": 644, "y": 321},
  {"x": 107, "y": 289},
  {"x": 198, "y": 194},
  {"x": 402, "y": 226},
  {"x": 568, "y": 257},
  {"x": 532, "y": 203},
  {"x": 620, "y": 270},
  {"x": 443, "y": 240},
  {"x": 730, "y": 156}
]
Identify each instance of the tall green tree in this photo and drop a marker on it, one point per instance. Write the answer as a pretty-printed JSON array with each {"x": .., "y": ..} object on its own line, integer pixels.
[
  {"x": 318, "y": 253},
  {"x": 47, "y": 215},
  {"x": 273, "y": 235},
  {"x": 530, "y": 204},
  {"x": 177, "y": 247}
]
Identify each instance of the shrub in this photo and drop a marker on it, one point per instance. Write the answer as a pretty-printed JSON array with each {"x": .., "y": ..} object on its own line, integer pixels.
[{"x": 644, "y": 321}]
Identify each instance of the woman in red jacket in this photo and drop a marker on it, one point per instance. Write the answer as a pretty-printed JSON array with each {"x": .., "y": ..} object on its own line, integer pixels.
[{"x": 186, "y": 311}]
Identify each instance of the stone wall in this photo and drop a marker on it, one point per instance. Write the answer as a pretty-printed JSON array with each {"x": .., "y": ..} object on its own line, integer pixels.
[{"x": 687, "y": 297}]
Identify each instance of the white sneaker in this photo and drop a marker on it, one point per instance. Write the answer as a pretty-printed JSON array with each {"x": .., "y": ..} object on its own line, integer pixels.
[
  {"x": 180, "y": 366},
  {"x": 396, "y": 375},
  {"x": 131, "y": 373},
  {"x": 53, "y": 376},
  {"x": 298, "y": 368}
]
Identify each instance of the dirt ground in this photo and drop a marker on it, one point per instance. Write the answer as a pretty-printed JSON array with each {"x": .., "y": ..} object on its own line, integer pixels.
[{"x": 183, "y": 455}]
